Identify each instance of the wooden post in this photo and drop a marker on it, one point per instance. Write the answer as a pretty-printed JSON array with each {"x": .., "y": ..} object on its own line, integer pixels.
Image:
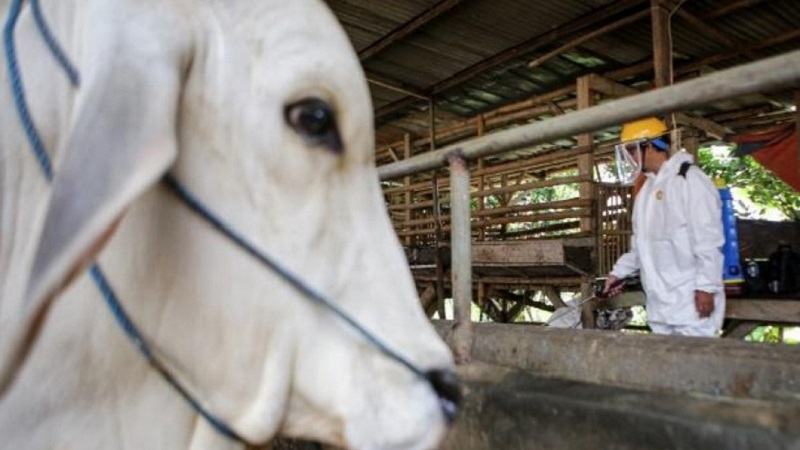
[
  {"x": 461, "y": 242},
  {"x": 432, "y": 123},
  {"x": 481, "y": 294},
  {"x": 481, "y": 125},
  {"x": 587, "y": 191},
  {"x": 797, "y": 126},
  {"x": 587, "y": 310},
  {"x": 691, "y": 142},
  {"x": 662, "y": 58},
  {"x": 407, "y": 183},
  {"x": 662, "y": 45},
  {"x": 586, "y": 161}
]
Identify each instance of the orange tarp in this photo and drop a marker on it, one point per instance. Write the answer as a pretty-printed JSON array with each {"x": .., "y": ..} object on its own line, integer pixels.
[{"x": 777, "y": 150}]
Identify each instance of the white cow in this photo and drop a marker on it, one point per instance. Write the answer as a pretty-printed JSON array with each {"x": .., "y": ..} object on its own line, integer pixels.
[{"x": 261, "y": 109}]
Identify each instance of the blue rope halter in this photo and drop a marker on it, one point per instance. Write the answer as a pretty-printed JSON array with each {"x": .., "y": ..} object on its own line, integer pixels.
[{"x": 111, "y": 299}]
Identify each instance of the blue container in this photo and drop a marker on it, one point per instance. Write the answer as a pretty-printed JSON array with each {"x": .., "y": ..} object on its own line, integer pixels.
[{"x": 732, "y": 269}]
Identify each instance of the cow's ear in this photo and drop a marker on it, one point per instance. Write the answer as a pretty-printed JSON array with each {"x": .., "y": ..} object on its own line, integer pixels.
[{"x": 121, "y": 142}]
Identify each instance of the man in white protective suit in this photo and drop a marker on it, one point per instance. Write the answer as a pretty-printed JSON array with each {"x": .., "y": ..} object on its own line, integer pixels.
[{"x": 677, "y": 234}]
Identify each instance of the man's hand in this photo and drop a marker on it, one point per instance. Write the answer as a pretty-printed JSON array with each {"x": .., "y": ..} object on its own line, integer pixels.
[
  {"x": 704, "y": 302},
  {"x": 613, "y": 286}
]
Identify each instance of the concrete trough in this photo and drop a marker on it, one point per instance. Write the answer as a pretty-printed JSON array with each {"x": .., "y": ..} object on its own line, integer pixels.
[{"x": 538, "y": 388}]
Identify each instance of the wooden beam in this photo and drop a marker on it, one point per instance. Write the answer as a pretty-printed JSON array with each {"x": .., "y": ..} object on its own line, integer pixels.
[
  {"x": 662, "y": 44},
  {"x": 731, "y": 7},
  {"x": 797, "y": 126},
  {"x": 428, "y": 299},
  {"x": 396, "y": 86},
  {"x": 764, "y": 310},
  {"x": 627, "y": 20},
  {"x": 710, "y": 30},
  {"x": 708, "y": 126},
  {"x": 407, "y": 28},
  {"x": 586, "y": 22},
  {"x": 393, "y": 154},
  {"x": 551, "y": 292}
]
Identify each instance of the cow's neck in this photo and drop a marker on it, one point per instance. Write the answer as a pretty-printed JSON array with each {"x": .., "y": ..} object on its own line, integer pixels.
[{"x": 99, "y": 392}]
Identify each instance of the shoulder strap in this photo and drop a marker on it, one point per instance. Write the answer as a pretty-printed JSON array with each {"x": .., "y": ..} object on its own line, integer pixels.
[{"x": 684, "y": 168}]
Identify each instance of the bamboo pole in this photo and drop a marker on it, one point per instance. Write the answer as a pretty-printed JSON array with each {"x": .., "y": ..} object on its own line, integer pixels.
[{"x": 760, "y": 76}]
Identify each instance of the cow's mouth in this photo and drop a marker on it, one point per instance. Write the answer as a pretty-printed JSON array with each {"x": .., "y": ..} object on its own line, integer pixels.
[{"x": 445, "y": 384}]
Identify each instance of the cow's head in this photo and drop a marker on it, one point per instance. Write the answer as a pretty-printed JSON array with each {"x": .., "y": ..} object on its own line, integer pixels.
[{"x": 261, "y": 109}]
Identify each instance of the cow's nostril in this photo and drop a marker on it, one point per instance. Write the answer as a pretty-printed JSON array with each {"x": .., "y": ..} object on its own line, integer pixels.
[{"x": 445, "y": 384}]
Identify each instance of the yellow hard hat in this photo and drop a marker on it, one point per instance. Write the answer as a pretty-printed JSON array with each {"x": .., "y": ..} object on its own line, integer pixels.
[{"x": 648, "y": 128}]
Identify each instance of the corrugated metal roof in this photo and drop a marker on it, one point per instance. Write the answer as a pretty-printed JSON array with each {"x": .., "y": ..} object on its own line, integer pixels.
[{"x": 472, "y": 32}]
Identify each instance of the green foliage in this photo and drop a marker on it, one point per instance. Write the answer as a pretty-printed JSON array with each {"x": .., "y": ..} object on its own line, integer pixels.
[
  {"x": 548, "y": 194},
  {"x": 768, "y": 334},
  {"x": 760, "y": 185},
  {"x": 775, "y": 335}
]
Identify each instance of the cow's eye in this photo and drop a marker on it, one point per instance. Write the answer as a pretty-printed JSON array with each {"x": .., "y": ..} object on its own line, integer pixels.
[{"x": 315, "y": 121}]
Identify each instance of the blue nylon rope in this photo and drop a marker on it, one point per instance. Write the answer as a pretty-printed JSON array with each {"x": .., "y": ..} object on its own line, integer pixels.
[
  {"x": 19, "y": 91},
  {"x": 52, "y": 43},
  {"x": 99, "y": 278},
  {"x": 200, "y": 209},
  {"x": 138, "y": 340}
]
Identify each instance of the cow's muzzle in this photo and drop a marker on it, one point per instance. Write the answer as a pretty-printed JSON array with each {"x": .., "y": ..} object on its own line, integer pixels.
[{"x": 445, "y": 384}]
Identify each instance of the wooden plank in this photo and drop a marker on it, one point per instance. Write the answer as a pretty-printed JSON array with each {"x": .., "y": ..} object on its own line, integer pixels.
[
  {"x": 627, "y": 20},
  {"x": 393, "y": 85},
  {"x": 526, "y": 253},
  {"x": 708, "y": 126},
  {"x": 759, "y": 310},
  {"x": 764, "y": 310},
  {"x": 407, "y": 28},
  {"x": 731, "y": 7}
]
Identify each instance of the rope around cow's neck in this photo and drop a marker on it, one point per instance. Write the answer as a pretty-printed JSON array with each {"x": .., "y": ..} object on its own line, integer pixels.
[{"x": 105, "y": 288}]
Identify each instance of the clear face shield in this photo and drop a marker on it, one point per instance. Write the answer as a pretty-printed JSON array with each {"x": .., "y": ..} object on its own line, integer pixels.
[{"x": 628, "y": 156}]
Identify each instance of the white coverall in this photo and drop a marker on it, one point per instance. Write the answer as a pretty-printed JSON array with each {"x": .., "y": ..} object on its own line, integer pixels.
[{"x": 677, "y": 248}]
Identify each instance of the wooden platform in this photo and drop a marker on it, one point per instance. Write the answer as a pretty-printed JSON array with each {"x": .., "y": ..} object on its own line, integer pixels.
[
  {"x": 767, "y": 310},
  {"x": 551, "y": 261}
]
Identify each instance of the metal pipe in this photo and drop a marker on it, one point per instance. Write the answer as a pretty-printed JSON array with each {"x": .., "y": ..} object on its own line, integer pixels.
[
  {"x": 461, "y": 241},
  {"x": 762, "y": 76}
]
